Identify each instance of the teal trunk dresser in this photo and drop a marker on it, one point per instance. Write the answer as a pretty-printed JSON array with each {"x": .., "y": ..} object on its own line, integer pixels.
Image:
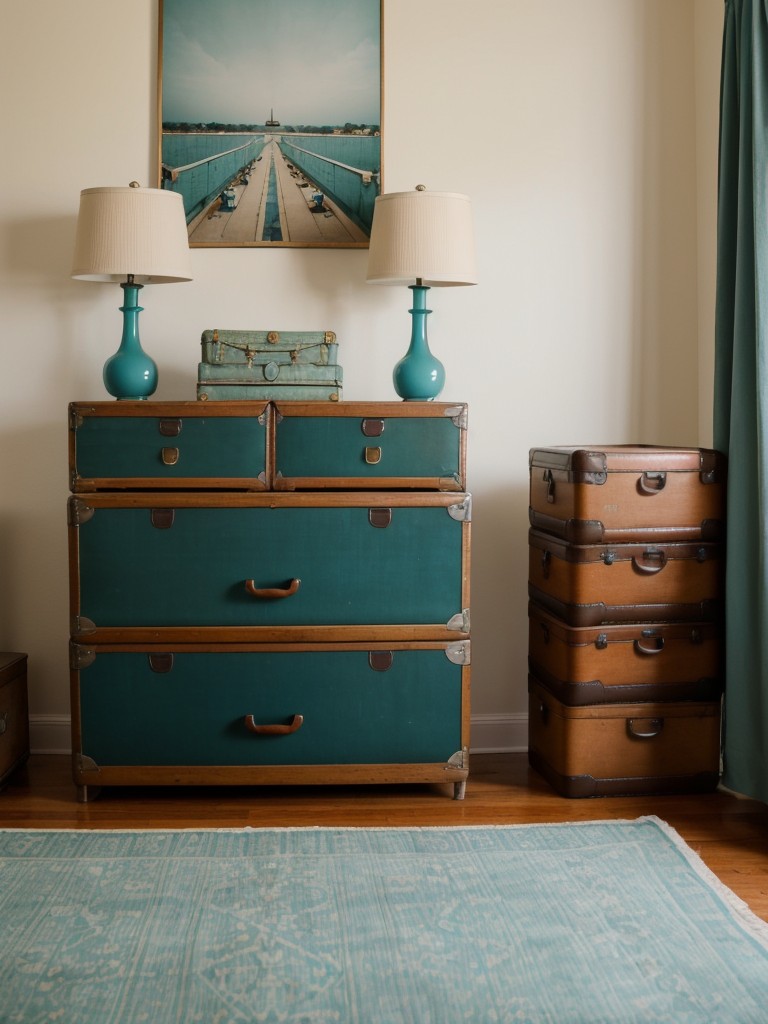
[{"x": 269, "y": 593}]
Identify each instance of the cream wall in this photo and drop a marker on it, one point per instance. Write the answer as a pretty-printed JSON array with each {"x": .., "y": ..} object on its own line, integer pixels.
[{"x": 575, "y": 129}]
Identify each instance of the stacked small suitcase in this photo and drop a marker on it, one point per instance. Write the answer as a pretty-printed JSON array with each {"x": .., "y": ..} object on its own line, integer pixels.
[
  {"x": 269, "y": 365},
  {"x": 626, "y": 576}
]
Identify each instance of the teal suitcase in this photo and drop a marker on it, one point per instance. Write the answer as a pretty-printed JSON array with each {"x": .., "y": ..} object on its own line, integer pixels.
[{"x": 265, "y": 365}]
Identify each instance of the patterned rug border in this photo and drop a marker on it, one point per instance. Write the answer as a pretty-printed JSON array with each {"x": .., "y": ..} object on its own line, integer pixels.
[{"x": 754, "y": 925}]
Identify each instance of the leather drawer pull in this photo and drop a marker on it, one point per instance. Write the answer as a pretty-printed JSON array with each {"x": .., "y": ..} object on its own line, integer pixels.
[
  {"x": 380, "y": 517},
  {"x": 651, "y": 483},
  {"x": 169, "y": 428},
  {"x": 373, "y": 456},
  {"x": 274, "y": 729},
  {"x": 160, "y": 661},
  {"x": 644, "y": 728},
  {"x": 372, "y": 428},
  {"x": 653, "y": 561},
  {"x": 162, "y": 518},
  {"x": 170, "y": 456},
  {"x": 271, "y": 592},
  {"x": 380, "y": 661}
]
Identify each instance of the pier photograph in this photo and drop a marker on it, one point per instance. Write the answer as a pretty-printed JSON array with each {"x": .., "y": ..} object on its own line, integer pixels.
[{"x": 270, "y": 114}]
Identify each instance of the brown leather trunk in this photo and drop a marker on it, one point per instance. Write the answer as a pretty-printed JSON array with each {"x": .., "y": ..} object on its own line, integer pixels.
[
  {"x": 586, "y": 585},
  {"x": 626, "y": 662},
  {"x": 618, "y": 749},
  {"x": 621, "y": 493}
]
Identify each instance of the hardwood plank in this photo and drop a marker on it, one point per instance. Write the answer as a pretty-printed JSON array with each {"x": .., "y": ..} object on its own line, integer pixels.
[{"x": 728, "y": 832}]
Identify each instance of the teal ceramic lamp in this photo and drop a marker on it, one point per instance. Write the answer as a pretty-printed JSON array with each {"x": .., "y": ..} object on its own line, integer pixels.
[
  {"x": 421, "y": 239},
  {"x": 132, "y": 235}
]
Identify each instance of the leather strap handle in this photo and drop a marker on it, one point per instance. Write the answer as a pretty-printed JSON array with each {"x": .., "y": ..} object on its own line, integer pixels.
[
  {"x": 652, "y": 562},
  {"x": 274, "y": 729},
  {"x": 642, "y": 648},
  {"x": 651, "y": 483},
  {"x": 644, "y": 728},
  {"x": 266, "y": 593}
]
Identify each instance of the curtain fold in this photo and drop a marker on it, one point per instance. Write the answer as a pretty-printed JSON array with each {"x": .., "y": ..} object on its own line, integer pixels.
[{"x": 741, "y": 387}]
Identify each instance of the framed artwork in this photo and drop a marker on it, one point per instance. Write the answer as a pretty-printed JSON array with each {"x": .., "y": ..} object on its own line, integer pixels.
[{"x": 270, "y": 119}]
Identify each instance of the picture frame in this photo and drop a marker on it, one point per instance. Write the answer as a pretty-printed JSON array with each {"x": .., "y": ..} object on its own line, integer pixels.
[{"x": 269, "y": 119}]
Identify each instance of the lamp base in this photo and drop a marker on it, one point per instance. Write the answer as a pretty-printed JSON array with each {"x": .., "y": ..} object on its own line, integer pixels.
[
  {"x": 130, "y": 373},
  {"x": 419, "y": 376}
]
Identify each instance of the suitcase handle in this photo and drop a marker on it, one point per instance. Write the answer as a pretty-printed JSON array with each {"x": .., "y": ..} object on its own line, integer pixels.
[
  {"x": 641, "y": 648},
  {"x": 644, "y": 728},
  {"x": 274, "y": 730},
  {"x": 657, "y": 561},
  {"x": 265, "y": 593},
  {"x": 651, "y": 483}
]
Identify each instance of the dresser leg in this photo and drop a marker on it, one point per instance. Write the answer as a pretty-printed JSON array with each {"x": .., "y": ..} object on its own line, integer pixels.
[
  {"x": 86, "y": 793},
  {"x": 459, "y": 789}
]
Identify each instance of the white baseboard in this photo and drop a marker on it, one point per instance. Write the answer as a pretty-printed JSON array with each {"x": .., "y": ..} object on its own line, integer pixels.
[
  {"x": 492, "y": 734},
  {"x": 50, "y": 734}
]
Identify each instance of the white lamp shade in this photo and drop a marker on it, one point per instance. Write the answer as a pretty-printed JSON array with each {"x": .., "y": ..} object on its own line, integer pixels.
[
  {"x": 422, "y": 235},
  {"x": 139, "y": 231}
]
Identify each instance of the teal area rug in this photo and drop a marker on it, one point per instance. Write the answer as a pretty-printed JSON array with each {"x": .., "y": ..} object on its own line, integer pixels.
[{"x": 585, "y": 923}]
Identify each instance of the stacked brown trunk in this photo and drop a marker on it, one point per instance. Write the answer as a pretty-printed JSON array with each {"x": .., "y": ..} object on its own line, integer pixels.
[{"x": 626, "y": 575}]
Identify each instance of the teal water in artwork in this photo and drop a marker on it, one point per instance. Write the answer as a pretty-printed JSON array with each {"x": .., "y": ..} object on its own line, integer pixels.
[{"x": 590, "y": 923}]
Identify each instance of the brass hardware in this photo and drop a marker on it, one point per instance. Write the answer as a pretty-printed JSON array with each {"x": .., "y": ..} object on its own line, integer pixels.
[
  {"x": 170, "y": 456},
  {"x": 373, "y": 456},
  {"x": 329, "y": 337},
  {"x": 273, "y": 337}
]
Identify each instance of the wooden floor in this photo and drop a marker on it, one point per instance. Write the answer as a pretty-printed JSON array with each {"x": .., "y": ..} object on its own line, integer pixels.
[{"x": 729, "y": 833}]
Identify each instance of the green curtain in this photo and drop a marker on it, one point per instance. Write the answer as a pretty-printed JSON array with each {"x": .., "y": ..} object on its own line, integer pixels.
[{"x": 741, "y": 387}]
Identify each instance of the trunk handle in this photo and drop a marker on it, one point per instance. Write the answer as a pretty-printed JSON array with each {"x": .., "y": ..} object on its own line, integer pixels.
[
  {"x": 659, "y": 560},
  {"x": 644, "y": 728},
  {"x": 274, "y": 729},
  {"x": 265, "y": 593},
  {"x": 651, "y": 483}
]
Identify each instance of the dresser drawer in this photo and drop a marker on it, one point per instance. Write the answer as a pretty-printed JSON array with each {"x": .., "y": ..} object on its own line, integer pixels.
[
  {"x": 153, "y": 566},
  {"x": 200, "y": 706},
  {"x": 177, "y": 445},
  {"x": 369, "y": 445}
]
